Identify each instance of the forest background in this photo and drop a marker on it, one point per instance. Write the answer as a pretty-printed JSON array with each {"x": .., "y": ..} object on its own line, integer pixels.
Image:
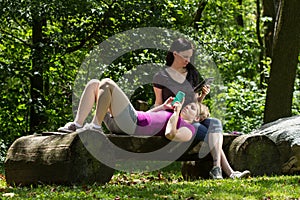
[{"x": 254, "y": 44}]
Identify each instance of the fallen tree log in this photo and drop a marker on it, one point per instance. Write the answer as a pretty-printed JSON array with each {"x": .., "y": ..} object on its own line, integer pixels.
[
  {"x": 59, "y": 159},
  {"x": 285, "y": 133},
  {"x": 256, "y": 153},
  {"x": 89, "y": 156}
]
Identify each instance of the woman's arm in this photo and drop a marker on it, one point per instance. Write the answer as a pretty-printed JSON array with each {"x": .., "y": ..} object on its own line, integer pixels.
[
  {"x": 171, "y": 128},
  {"x": 183, "y": 134},
  {"x": 165, "y": 106},
  {"x": 205, "y": 91},
  {"x": 158, "y": 96}
]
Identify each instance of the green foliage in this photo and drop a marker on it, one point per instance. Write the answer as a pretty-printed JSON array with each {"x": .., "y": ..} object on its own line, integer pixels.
[
  {"x": 245, "y": 106},
  {"x": 296, "y": 98},
  {"x": 71, "y": 29},
  {"x": 235, "y": 51},
  {"x": 3, "y": 148}
]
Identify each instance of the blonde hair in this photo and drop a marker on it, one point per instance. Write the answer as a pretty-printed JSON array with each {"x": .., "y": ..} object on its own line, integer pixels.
[{"x": 204, "y": 112}]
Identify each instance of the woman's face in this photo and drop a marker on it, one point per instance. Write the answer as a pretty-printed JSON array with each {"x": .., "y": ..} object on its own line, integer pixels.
[
  {"x": 182, "y": 58},
  {"x": 190, "y": 112}
]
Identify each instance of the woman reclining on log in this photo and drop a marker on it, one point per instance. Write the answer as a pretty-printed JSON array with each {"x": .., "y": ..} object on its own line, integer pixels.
[
  {"x": 108, "y": 96},
  {"x": 174, "y": 125}
]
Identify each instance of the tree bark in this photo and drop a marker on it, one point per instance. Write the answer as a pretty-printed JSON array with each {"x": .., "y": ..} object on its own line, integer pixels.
[
  {"x": 269, "y": 11},
  {"x": 197, "y": 18},
  {"x": 239, "y": 18},
  {"x": 58, "y": 159},
  {"x": 286, "y": 45},
  {"x": 256, "y": 153},
  {"x": 36, "y": 78}
]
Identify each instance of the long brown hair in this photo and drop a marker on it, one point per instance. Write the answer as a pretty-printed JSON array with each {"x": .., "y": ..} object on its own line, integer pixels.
[{"x": 179, "y": 45}]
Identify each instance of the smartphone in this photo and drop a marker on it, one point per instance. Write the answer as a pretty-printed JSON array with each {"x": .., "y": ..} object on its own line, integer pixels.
[
  {"x": 179, "y": 97},
  {"x": 206, "y": 81}
]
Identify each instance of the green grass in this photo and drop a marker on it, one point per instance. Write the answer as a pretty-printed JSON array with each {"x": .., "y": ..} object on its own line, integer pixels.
[{"x": 164, "y": 184}]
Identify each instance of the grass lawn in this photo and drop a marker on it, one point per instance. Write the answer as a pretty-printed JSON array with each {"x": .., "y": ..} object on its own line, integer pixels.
[{"x": 164, "y": 184}]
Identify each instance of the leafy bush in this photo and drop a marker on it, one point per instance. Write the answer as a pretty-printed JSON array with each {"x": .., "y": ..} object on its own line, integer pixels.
[
  {"x": 245, "y": 106},
  {"x": 3, "y": 149}
]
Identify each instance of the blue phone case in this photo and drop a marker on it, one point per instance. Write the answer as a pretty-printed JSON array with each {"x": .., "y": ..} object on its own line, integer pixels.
[{"x": 179, "y": 97}]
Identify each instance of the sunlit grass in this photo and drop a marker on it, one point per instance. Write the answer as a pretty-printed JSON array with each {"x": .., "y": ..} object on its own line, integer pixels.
[{"x": 164, "y": 184}]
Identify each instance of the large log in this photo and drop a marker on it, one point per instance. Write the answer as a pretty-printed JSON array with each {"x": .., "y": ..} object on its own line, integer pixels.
[
  {"x": 89, "y": 156},
  {"x": 59, "y": 159},
  {"x": 285, "y": 133},
  {"x": 74, "y": 158},
  {"x": 256, "y": 153},
  {"x": 142, "y": 144}
]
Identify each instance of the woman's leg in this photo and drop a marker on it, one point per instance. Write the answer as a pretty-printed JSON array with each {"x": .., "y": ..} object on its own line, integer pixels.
[
  {"x": 88, "y": 98},
  {"x": 215, "y": 142},
  {"x": 215, "y": 138},
  {"x": 225, "y": 164},
  {"x": 112, "y": 98},
  {"x": 201, "y": 131},
  {"x": 107, "y": 95},
  {"x": 86, "y": 103},
  {"x": 201, "y": 135}
]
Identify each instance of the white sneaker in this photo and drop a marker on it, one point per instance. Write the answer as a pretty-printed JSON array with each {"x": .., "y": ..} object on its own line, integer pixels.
[
  {"x": 92, "y": 126},
  {"x": 239, "y": 175},
  {"x": 70, "y": 127},
  {"x": 216, "y": 173}
]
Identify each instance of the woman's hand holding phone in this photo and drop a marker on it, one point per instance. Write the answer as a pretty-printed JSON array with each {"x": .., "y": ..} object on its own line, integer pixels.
[
  {"x": 177, "y": 106},
  {"x": 174, "y": 103},
  {"x": 205, "y": 90},
  {"x": 179, "y": 97},
  {"x": 178, "y": 101},
  {"x": 167, "y": 105},
  {"x": 205, "y": 82}
]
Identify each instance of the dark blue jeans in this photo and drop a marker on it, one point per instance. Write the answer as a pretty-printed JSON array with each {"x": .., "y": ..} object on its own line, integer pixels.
[{"x": 209, "y": 125}]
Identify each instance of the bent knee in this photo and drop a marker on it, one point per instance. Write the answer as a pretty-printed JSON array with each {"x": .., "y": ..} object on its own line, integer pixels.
[
  {"x": 107, "y": 82},
  {"x": 94, "y": 83},
  {"x": 215, "y": 126},
  {"x": 216, "y": 122}
]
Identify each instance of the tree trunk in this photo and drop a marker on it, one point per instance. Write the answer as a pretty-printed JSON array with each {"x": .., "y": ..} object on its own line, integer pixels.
[
  {"x": 36, "y": 79},
  {"x": 269, "y": 11},
  {"x": 197, "y": 18},
  {"x": 261, "y": 65},
  {"x": 239, "y": 18},
  {"x": 286, "y": 45}
]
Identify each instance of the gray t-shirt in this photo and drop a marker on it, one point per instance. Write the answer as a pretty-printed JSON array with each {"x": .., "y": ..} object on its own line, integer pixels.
[{"x": 170, "y": 87}]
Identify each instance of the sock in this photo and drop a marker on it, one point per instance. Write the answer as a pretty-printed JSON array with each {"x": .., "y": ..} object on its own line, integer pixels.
[
  {"x": 77, "y": 125},
  {"x": 96, "y": 126}
]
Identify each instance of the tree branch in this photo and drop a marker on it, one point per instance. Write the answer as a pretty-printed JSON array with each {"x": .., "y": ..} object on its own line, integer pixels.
[
  {"x": 14, "y": 37},
  {"x": 92, "y": 35}
]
